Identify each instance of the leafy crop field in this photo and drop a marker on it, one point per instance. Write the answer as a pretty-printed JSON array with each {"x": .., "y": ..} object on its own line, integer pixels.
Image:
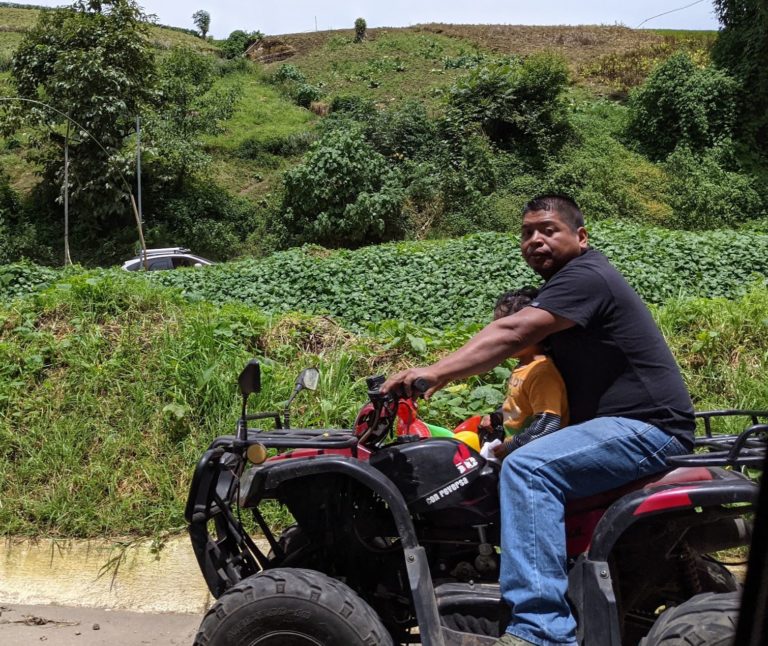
[
  {"x": 444, "y": 283},
  {"x": 449, "y": 282}
]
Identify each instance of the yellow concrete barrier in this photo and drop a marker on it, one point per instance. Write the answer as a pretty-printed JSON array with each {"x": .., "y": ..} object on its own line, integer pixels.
[{"x": 120, "y": 574}]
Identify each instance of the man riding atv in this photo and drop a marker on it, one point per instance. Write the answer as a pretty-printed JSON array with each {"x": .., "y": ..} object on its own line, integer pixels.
[{"x": 630, "y": 409}]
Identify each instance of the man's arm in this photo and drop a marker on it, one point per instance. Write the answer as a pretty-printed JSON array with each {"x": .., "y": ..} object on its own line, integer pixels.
[{"x": 488, "y": 348}]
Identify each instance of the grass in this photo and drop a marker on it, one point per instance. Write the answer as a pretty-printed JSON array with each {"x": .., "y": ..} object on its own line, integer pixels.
[
  {"x": 262, "y": 114},
  {"x": 389, "y": 66},
  {"x": 110, "y": 390}
]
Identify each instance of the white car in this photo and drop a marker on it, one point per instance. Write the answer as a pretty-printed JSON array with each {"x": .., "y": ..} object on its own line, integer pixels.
[{"x": 168, "y": 258}]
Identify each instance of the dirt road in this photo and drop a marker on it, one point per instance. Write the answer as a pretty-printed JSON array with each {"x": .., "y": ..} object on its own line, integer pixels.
[{"x": 62, "y": 626}]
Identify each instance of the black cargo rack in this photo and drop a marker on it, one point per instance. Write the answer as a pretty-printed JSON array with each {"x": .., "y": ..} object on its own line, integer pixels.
[
  {"x": 296, "y": 438},
  {"x": 745, "y": 449}
]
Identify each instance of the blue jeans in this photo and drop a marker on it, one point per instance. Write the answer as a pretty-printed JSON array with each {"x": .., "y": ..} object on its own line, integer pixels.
[{"x": 536, "y": 481}]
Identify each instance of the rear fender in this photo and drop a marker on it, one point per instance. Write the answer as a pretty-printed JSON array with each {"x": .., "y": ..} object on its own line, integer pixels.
[{"x": 590, "y": 582}]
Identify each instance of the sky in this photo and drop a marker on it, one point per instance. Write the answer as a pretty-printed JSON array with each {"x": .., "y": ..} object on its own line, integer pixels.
[{"x": 291, "y": 16}]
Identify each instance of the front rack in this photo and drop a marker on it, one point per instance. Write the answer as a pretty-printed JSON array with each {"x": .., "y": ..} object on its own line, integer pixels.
[
  {"x": 744, "y": 449},
  {"x": 296, "y": 438}
]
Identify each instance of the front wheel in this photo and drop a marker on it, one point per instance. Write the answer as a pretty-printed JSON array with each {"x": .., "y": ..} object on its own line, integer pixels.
[
  {"x": 291, "y": 607},
  {"x": 708, "y": 618}
]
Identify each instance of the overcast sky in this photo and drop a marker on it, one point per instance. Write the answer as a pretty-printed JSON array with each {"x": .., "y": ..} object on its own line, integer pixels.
[{"x": 289, "y": 16}]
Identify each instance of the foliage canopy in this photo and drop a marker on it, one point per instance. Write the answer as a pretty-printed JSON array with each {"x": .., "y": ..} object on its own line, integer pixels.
[
  {"x": 344, "y": 194},
  {"x": 742, "y": 49},
  {"x": 682, "y": 104},
  {"x": 91, "y": 61},
  {"x": 517, "y": 103}
]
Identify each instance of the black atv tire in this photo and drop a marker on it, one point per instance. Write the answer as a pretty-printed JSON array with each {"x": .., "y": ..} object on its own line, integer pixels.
[
  {"x": 291, "y": 607},
  {"x": 708, "y": 618}
]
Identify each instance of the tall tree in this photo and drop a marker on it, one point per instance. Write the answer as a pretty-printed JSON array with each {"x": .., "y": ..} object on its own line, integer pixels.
[
  {"x": 202, "y": 20},
  {"x": 742, "y": 48},
  {"x": 91, "y": 61},
  {"x": 190, "y": 106}
]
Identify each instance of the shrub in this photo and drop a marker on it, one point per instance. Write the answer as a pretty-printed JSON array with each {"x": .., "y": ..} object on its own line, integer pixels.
[
  {"x": 518, "y": 104},
  {"x": 353, "y": 105},
  {"x": 704, "y": 194},
  {"x": 23, "y": 278},
  {"x": 681, "y": 104},
  {"x": 360, "y": 28},
  {"x": 203, "y": 217},
  {"x": 443, "y": 283},
  {"x": 21, "y": 228},
  {"x": 344, "y": 194},
  {"x": 238, "y": 41},
  {"x": 402, "y": 132},
  {"x": 9, "y": 212},
  {"x": 279, "y": 145},
  {"x": 609, "y": 181},
  {"x": 288, "y": 73},
  {"x": 305, "y": 93}
]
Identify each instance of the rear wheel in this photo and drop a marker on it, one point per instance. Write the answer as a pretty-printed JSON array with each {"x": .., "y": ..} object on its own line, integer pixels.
[
  {"x": 708, "y": 618},
  {"x": 291, "y": 607}
]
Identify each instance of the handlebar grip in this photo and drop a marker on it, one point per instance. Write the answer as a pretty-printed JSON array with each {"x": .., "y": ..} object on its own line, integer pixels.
[{"x": 420, "y": 386}]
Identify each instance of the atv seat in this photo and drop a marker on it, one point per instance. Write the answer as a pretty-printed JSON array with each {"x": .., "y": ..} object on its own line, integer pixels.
[{"x": 604, "y": 499}]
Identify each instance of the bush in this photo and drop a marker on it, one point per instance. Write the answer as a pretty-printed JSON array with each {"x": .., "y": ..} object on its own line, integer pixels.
[
  {"x": 278, "y": 145},
  {"x": 402, "y": 132},
  {"x": 609, "y": 181},
  {"x": 742, "y": 49},
  {"x": 443, "y": 283},
  {"x": 518, "y": 104},
  {"x": 203, "y": 217},
  {"x": 681, "y": 104},
  {"x": 360, "y": 28},
  {"x": 23, "y": 278},
  {"x": 305, "y": 93},
  {"x": 18, "y": 236},
  {"x": 288, "y": 73},
  {"x": 705, "y": 195},
  {"x": 344, "y": 194},
  {"x": 238, "y": 41},
  {"x": 352, "y": 105}
]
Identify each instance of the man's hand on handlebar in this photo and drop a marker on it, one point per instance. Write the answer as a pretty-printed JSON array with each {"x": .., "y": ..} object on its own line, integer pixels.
[{"x": 403, "y": 382}]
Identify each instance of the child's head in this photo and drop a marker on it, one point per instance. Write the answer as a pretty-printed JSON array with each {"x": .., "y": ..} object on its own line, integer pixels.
[{"x": 512, "y": 302}]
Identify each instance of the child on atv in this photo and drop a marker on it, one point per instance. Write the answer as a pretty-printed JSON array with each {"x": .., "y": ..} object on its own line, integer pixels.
[{"x": 536, "y": 403}]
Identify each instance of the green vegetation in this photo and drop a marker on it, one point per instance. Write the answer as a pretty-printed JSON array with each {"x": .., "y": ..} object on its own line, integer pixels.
[
  {"x": 683, "y": 105},
  {"x": 111, "y": 388},
  {"x": 94, "y": 62},
  {"x": 742, "y": 49},
  {"x": 112, "y": 384},
  {"x": 445, "y": 283},
  {"x": 465, "y": 124}
]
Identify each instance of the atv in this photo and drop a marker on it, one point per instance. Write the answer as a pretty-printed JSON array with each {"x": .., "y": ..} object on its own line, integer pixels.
[{"x": 396, "y": 535}]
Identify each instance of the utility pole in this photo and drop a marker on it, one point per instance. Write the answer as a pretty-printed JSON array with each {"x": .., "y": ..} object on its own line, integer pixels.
[
  {"x": 137, "y": 209},
  {"x": 67, "y": 257},
  {"x": 138, "y": 166}
]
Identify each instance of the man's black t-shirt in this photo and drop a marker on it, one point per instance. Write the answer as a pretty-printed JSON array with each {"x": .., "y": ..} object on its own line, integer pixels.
[{"x": 614, "y": 361}]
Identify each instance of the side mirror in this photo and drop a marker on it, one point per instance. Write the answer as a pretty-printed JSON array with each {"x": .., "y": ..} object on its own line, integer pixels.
[
  {"x": 308, "y": 378},
  {"x": 250, "y": 378}
]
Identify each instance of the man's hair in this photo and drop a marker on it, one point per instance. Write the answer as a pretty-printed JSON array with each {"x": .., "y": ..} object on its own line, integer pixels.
[
  {"x": 511, "y": 302},
  {"x": 564, "y": 205}
]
